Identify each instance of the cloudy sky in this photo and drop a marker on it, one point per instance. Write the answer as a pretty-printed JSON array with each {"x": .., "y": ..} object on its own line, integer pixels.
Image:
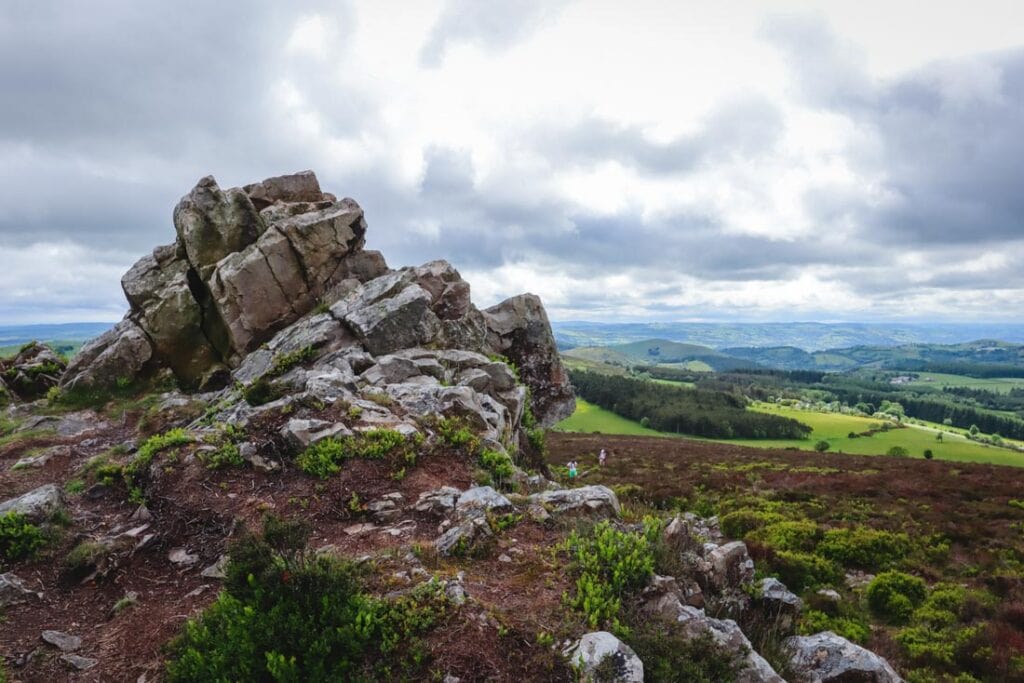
[{"x": 737, "y": 160}]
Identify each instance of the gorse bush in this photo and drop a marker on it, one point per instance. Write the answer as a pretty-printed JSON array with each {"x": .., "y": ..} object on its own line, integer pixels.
[
  {"x": 670, "y": 655},
  {"x": 738, "y": 523},
  {"x": 609, "y": 564},
  {"x": 894, "y": 595},
  {"x": 18, "y": 537},
  {"x": 797, "y": 534},
  {"x": 286, "y": 615}
]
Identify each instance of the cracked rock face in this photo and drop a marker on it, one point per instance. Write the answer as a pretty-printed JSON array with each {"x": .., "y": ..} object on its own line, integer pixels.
[{"x": 238, "y": 288}]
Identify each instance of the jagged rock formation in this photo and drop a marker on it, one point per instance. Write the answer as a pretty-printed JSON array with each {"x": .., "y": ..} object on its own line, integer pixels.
[
  {"x": 30, "y": 374},
  {"x": 250, "y": 264}
]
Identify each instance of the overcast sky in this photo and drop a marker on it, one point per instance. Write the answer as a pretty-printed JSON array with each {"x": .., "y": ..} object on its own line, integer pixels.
[{"x": 626, "y": 161}]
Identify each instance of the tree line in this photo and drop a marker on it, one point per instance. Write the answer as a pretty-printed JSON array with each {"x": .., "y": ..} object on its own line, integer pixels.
[{"x": 697, "y": 412}]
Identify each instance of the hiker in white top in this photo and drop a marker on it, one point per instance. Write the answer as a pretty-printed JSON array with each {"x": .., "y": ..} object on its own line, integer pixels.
[{"x": 601, "y": 458}]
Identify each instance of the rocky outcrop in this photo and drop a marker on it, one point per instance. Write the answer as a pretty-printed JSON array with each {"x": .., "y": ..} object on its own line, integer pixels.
[
  {"x": 238, "y": 288},
  {"x": 31, "y": 373},
  {"x": 828, "y": 658},
  {"x": 590, "y": 501}
]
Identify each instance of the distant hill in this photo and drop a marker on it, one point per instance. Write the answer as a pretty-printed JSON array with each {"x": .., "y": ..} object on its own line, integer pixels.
[
  {"x": 807, "y": 336},
  {"x": 981, "y": 358},
  {"x": 66, "y": 336},
  {"x": 660, "y": 352}
]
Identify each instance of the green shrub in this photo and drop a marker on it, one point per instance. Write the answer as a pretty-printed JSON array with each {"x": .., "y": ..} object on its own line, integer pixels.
[
  {"x": 228, "y": 455},
  {"x": 670, "y": 655},
  {"x": 801, "y": 571},
  {"x": 289, "y": 616},
  {"x": 898, "y": 451},
  {"x": 799, "y": 534},
  {"x": 18, "y": 537},
  {"x": 325, "y": 457},
  {"x": 864, "y": 547},
  {"x": 894, "y": 595},
  {"x": 456, "y": 433},
  {"x": 822, "y": 446},
  {"x": 813, "y": 621},
  {"x": 609, "y": 564},
  {"x": 739, "y": 523},
  {"x": 498, "y": 464}
]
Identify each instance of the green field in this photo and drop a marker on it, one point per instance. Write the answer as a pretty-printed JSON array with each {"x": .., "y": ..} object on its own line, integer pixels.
[
  {"x": 830, "y": 427},
  {"x": 938, "y": 380},
  {"x": 590, "y": 418}
]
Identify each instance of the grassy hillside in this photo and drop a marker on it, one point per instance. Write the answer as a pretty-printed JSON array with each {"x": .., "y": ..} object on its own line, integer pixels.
[
  {"x": 831, "y": 427},
  {"x": 938, "y": 380}
]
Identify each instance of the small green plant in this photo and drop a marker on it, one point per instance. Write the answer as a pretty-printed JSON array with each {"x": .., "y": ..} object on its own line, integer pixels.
[
  {"x": 325, "y": 457},
  {"x": 124, "y": 603},
  {"x": 19, "y": 538},
  {"x": 822, "y": 446},
  {"x": 609, "y": 565},
  {"x": 261, "y": 392},
  {"x": 283, "y": 362},
  {"x": 456, "y": 433},
  {"x": 894, "y": 595},
  {"x": 228, "y": 455},
  {"x": 898, "y": 451},
  {"x": 83, "y": 557},
  {"x": 74, "y": 486},
  {"x": 499, "y": 465},
  {"x": 147, "y": 451}
]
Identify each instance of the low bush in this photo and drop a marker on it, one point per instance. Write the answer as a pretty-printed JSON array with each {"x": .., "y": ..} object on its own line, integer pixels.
[
  {"x": 800, "y": 534},
  {"x": 739, "y": 523},
  {"x": 19, "y": 538},
  {"x": 325, "y": 457},
  {"x": 864, "y": 547},
  {"x": 499, "y": 465},
  {"x": 894, "y": 595},
  {"x": 286, "y": 615},
  {"x": 802, "y": 571},
  {"x": 851, "y": 628},
  {"x": 609, "y": 565},
  {"x": 261, "y": 391},
  {"x": 669, "y": 655}
]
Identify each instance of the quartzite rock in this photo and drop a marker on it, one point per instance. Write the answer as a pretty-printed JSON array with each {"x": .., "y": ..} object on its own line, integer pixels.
[
  {"x": 592, "y": 501},
  {"x": 591, "y": 651},
  {"x": 828, "y": 658},
  {"x": 38, "y": 505}
]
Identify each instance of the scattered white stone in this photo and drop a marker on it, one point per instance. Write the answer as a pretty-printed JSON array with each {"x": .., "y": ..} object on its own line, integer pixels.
[
  {"x": 65, "y": 642},
  {"x": 182, "y": 557}
]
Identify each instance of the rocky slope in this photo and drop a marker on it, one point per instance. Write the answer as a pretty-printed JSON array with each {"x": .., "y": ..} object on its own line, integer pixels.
[{"x": 381, "y": 406}]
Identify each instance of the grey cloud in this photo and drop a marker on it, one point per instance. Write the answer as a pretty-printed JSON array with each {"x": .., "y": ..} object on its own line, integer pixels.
[
  {"x": 950, "y": 145},
  {"x": 493, "y": 26},
  {"x": 744, "y": 128}
]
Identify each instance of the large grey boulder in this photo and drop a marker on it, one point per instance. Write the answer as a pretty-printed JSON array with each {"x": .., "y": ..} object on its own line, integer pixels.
[
  {"x": 164, "y": 306},
  {"x": 828, "y": 658},
  {"x": 519, "y": 329},
  {"x": 122, "y": 351},
  {"x": 589, "y": 654},
  {"x": 592, "y": 501},
  {"x": 398, "y": 322},
  {"x": 212, "y": 223},
  {"x": 38, "y": 505},
  {"x": 483, "y": 498},
  {"x": 296, "y": 187},
  {"x": 731, "y": 566}
]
